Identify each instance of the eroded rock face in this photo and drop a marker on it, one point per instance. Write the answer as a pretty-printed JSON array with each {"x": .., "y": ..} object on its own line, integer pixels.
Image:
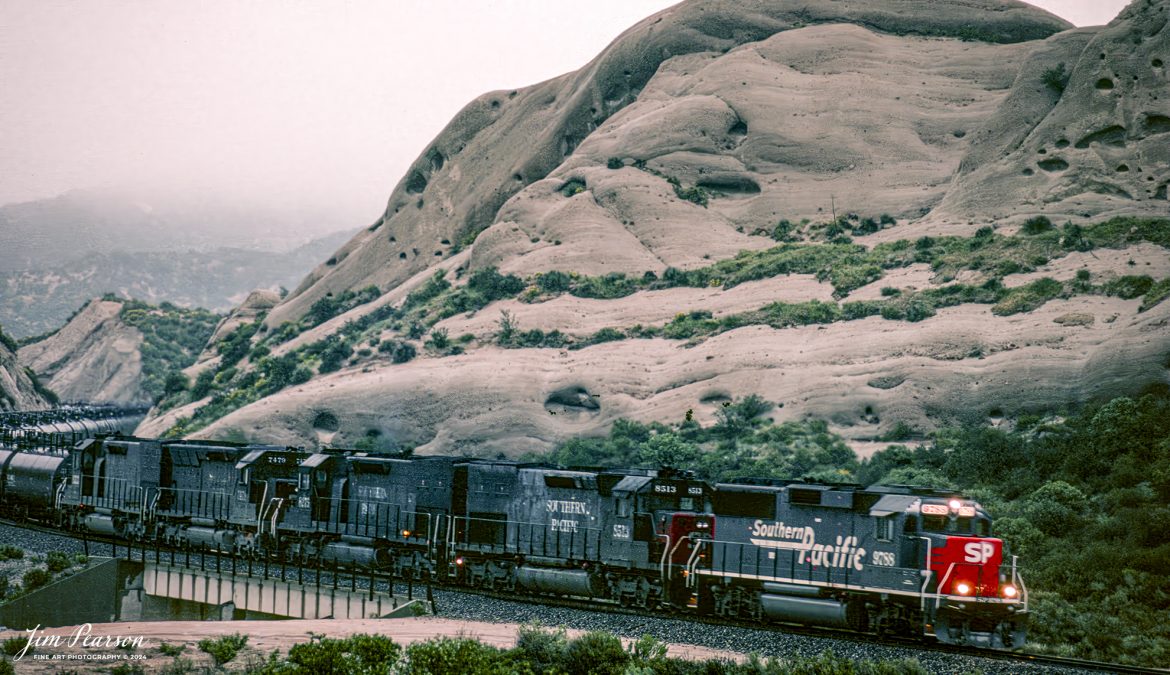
[
  {"x": 963, "y": 365},
  {"x": 693, "y": 69},
  {"x": 777, "y": 110},
  {"x": 16, "y": 388},
  {"x": 95, "y": 358},
  {"x": 1085, "y": 130}
]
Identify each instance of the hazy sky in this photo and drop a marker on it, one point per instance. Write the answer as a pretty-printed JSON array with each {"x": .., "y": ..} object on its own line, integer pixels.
[{"x": 302, "y": 101}]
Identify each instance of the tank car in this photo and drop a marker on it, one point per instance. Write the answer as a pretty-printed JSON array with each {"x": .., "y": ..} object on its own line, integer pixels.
[{"x": 30, "y": 483}]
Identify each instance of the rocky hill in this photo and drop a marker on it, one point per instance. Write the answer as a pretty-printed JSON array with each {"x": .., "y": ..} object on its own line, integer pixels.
[
  {"x": 19, "y": 388},
  {"x": 890, "y": 215},
  {"x": 33, "y": 302},
  {"x": 120, "y": 351}
]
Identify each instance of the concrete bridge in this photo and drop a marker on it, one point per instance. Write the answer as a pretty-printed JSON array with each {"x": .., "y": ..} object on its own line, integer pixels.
[
  {"x": 235, "y": 596},
  {"x": 137, "y": 590}
]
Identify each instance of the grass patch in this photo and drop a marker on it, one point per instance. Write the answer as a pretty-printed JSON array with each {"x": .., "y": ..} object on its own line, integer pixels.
[{"x": 1156, "y": 293}]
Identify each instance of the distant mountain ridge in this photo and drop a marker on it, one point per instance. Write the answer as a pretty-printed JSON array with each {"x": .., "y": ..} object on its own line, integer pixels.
[
  {"x": 46, "y": 233},
  {"x": 33, "y": 302}
]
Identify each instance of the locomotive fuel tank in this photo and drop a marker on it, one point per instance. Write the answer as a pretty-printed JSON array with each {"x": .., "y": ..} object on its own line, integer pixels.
[
  {"x": 561, "y": 581},
  {"x": 815, "y": 611},
  {"x": 355, "y": 555}
]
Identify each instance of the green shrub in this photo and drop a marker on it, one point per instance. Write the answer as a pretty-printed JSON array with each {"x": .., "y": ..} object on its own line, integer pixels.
[
  {"x": 1129, "y": 287},
  {"x": 491, "y": 285},
  {"x": 15, "y": 645},
  {"x": 606, "y": 335},
  {"x": 402, "y": 352},
  {"x": 41, "y": 390},
  {"x": 128, "y": 669},
  {"x": 785, "y": 231},
  {"x": 35, "y": 578},
  {"x": 1029, "y": 297},
  {"x": 224, "y": 648},
  {"x": 428, "y": 291},
  {"x": 1155, "y": 294},
  {"x": 614, "y": 163},
  {"x": 56, "y": 561},
  {"x": 553, "y": 282},
  {"x": 10, "y": 552},
  {"x": 8, "y": 342},
  {"x": 442, "y": 656},
  {"x": 544, "y": 650},
  {"x": 1055, "y": 78},
  {"x": 203, "y": 384},
  {"x": 695, "y": 195},
  {"x": 595, "y": 653},
  {"x": 171, "y": 650},
  {"x": 439, "y": 339},
  {"x": 357, "y": 655},
  {"x": 572, "y": 187},
  {"x": 1036, "y": 225}
]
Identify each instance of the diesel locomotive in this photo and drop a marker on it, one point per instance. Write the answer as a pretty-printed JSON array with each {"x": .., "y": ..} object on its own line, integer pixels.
[{"x": 895, "y": 560}]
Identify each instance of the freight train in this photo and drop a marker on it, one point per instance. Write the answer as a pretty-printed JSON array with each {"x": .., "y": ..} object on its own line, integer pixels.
[
  {"x": 891, "y": 560},
  {"x": 64, "y": 426}
]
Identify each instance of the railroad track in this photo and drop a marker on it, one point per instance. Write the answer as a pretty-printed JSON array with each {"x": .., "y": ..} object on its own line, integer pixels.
[{"x": 325, "y": 576}]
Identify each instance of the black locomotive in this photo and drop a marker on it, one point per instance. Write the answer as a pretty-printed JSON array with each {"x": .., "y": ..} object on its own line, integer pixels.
[{"x": 883, "y": 559}]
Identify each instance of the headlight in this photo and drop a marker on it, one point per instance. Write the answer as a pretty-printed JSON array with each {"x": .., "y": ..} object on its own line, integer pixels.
[
  {"x": 962, "y": 588},
  {"x": 1009, "y": 591}
]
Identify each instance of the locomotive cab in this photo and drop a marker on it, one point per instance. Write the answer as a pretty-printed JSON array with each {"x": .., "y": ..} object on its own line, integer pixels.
[
  {"x": 267, "y": 483},
  {"x": 977, "y": 594}
]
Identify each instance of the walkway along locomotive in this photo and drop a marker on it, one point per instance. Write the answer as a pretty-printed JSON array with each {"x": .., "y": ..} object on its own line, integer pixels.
[{"x": 884, "y": 559}]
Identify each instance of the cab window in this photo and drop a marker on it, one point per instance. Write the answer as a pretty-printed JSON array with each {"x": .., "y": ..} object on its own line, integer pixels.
[
  {"x": 946, "y": 524},
  {"x": 883, "y": 528}
]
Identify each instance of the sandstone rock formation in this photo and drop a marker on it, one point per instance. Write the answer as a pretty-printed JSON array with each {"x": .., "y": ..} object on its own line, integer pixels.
[
  {"x": 1085, "y": 130},
  {"x": 931, "y": 112},
  {"x": 94, "y": 358},
  {"x": 17, "y": 391}
]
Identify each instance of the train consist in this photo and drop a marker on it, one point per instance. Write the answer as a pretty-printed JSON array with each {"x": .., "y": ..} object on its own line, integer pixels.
[
  {"x": 63, "y": 427},
  {"x": 882, "y": 559}
]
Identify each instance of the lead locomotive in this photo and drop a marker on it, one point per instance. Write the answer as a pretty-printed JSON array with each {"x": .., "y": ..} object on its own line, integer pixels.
[{"x": 884, "y": 559}]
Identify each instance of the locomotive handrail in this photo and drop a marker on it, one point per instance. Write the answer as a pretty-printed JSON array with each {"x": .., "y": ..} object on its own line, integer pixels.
[
  {"x": 260, "y": 510},
  {"x": 693, "y": 563},
  {"x": 665, "y": 553},
  {"x": 58, "y": 495},
  {"x": 204, "y": 503},
  {"x": 153, "y": 510},
  {"x": 670, "y": 563},
  {"x": 928, "y": 574},
  {"x": 278, "y": 502},
  {"x": 938, "y": 594},
  {"x": 1019, "y": 582}
]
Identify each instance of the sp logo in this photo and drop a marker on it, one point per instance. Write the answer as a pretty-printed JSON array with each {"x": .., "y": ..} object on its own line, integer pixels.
[{"x": 979, "y": 551}]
